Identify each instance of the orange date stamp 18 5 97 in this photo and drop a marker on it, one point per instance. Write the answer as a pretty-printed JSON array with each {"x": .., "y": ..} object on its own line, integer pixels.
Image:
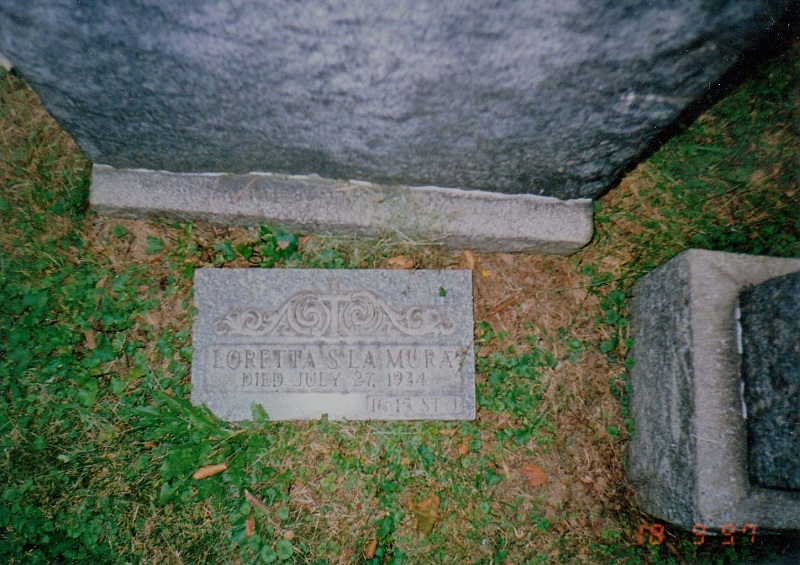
[{"x": 653, "y": 534}]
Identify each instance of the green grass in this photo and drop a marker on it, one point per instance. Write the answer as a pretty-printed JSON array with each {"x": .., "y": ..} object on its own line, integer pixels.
[
  {"x": 98, "y": 442},
  {"x": 727, "y": 182}
]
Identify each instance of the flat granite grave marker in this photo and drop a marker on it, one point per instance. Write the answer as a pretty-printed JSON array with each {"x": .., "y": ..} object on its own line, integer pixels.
[{"x": 356, "y": 345}]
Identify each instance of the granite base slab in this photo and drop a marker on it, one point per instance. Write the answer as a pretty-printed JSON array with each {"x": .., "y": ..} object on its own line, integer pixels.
[{"x": 466, "y": 219}]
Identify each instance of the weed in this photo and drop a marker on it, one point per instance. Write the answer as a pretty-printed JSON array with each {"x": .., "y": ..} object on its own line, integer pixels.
[{"x": 514, "y": 387}]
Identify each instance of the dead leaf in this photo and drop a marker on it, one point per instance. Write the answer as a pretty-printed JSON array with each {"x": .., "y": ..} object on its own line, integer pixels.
[
  {"x": 533, "y": 474},
  {"x": 288, "y": 535},
  {"x": 469, "y": 259},
  {"x": 250, "y": 526},
  {"x": 301, "y": 495},
  {"x": 507, "y": 258},
  {"x": 675, "y": 553},
  {"x": 209, "y": 471},
  {"x": 369, "y": 549},
  {"x": 400, "y": 262},
  {"x": 427, "y": 513},
  {"x": 153, "y": 318},
  {"x": 463, "y": 448},
  {"x": 503, "y": 304},
  {"x": 254, "y": 502},
  {"x": 91, "y": 343}
]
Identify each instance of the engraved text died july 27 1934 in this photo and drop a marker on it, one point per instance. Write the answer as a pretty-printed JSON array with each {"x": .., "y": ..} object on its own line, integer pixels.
[{"x": 356, "y": 345}]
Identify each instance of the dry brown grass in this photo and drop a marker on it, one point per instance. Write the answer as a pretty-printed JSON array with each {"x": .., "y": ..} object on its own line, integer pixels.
[
  {"x": 33, "y": 150},
  {"x": 519, "y": 294}
]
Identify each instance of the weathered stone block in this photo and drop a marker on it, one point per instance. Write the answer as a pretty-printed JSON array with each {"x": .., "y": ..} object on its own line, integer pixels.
[
  {"x": 770, "y": 319},
  {"x": 357, "y": 345},
  {"x": 475, "y": 220},
  {"x": 688, "y": 458}
]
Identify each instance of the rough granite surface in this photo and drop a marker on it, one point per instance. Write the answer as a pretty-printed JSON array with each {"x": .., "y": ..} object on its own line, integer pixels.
[
  {"x": 661, "y": 459},
  {"x": 349, "y": 344},
  {"x": 538, "y": 97},
  {"x": 770, "y": 319}
]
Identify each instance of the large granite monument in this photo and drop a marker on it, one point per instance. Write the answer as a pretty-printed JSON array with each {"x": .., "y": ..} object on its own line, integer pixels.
[{"x": 552, "y": 99}]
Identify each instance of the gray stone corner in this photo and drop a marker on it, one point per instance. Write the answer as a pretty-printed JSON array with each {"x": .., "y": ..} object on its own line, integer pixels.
[
  {"x": 452, "y": 217},
  {"x": 688, "y": 461}
]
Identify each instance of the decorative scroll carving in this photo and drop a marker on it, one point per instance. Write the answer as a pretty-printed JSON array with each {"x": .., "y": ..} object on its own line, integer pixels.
[{"x": 335, "y": 314}]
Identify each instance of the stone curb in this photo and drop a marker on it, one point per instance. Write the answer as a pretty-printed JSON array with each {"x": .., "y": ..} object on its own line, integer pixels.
[{"x": 451, "y": 217}]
